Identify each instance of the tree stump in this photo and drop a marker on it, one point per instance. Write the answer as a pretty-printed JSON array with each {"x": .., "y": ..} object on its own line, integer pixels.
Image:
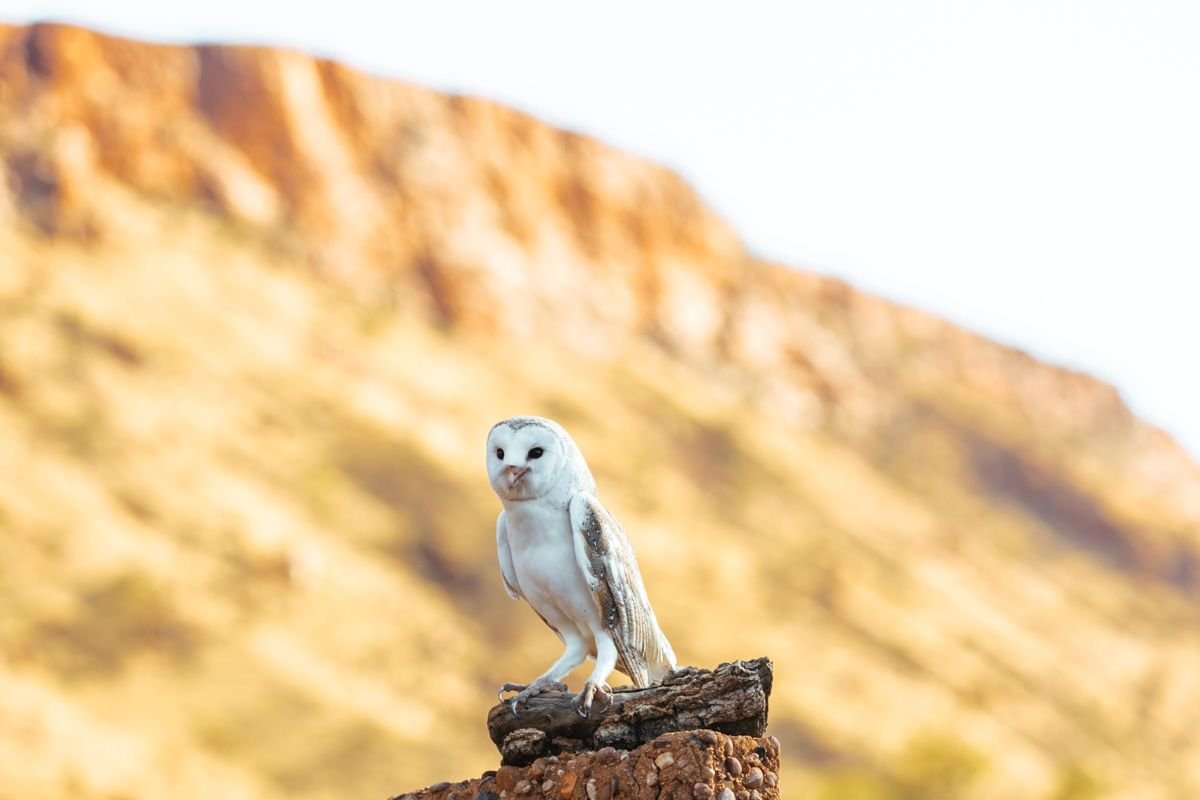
[{"x": 731, "y": 699}]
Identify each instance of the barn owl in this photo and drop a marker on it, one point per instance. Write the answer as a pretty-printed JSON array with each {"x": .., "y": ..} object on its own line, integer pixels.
[{"x": 562, "y": 551}]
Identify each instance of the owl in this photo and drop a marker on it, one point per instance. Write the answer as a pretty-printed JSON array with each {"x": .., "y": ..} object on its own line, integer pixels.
[{"x": 568, "y": 557}]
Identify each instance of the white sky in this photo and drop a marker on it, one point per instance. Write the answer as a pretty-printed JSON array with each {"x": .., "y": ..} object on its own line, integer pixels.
[{"x": 1028, "y": 168}]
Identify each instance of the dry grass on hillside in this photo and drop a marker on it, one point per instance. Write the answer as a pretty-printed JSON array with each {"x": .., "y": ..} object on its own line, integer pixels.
[{"x": 248, "y": 543}]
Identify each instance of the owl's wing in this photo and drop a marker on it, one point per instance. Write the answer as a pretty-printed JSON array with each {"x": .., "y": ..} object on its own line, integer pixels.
[
  {"x": 504, "y": 552},
  {"x": 606, "y": 558}
]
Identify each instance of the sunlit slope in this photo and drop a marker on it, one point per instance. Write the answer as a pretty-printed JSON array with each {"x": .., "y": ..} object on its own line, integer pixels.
[
  {"x": 249, "y": 552},
  {"x": 247, "y": 366}
]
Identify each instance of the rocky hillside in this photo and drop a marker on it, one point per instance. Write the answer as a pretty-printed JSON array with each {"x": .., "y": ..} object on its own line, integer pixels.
[{"x": 257, "y": 313}]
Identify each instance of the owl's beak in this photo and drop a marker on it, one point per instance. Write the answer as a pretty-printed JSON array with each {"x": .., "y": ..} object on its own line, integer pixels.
[{"x": 515, "y": 474}]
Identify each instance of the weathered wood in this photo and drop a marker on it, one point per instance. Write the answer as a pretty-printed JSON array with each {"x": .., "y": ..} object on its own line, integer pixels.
[{"x": 731, "y": 699}]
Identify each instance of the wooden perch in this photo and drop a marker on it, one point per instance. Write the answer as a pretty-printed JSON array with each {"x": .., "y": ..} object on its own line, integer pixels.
[{"x": 731, "y": 699}]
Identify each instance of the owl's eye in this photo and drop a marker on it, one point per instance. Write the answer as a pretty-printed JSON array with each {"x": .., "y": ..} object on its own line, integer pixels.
[
  {"x": 500, "y": 452},
  {"x": 536, "y": 452}
]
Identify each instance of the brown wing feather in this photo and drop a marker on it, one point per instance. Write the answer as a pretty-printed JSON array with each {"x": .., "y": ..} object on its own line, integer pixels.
[{"x": 606, "y": 557}]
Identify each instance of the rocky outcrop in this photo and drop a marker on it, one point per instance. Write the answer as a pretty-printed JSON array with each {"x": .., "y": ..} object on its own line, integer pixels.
[
  {"x": 731, "y": 699},
  {"x": 687, "y": 765},
  {"x": 696, "y": 735}
]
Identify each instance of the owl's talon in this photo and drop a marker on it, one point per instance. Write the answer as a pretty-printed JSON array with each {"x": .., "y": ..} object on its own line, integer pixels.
[
  {"x": 583, "y": 700},
  {"x": 540, "y": 686},
  {"x": 510, "y": 687}
]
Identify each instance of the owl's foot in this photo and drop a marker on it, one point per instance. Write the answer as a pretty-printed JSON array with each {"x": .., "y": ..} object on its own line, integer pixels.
[
  {"x": 583, "y": 700},
  {"x": 524, "y": 692}
]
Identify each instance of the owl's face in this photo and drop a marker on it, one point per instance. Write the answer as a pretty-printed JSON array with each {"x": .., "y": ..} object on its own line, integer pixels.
[{"x": 524, "y": 459}]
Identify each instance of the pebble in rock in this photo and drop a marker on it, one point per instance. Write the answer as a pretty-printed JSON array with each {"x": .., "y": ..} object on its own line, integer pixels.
[
  {"x": 754, "y": 795},
  {"x": 708, "y": 737},
  {"x": 651, "y": 778},
  {"x": 506, "y": 777},
  {"x": 606, "y": 755},
  {"x": 733, "y": 766},
  {"x": 538, "y": 770},
  {"x": 547, "y": 786},
  {"x": 702, "y": 791},
  {"x": 707, "y": 773},
  {"x": 523, "y": 787},
  {"x": 568, "y": 785},
  {"x": 591, "y": 789},
  {"x": 728, "y": 747},
  {"x": 665, "y": 760},
  {"x": 726, "y": 794},
  {"x": 770, "y": 779},
  {"x": 774, "y": 743},
  {"x": 754, "y": 778}
]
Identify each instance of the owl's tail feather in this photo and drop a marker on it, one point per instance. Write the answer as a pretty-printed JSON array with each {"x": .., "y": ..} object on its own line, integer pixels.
[{"x": 660, "y": 664}]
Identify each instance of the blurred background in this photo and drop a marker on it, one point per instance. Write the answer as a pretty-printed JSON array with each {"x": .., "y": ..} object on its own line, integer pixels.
[{"x": 259, "y": 306}]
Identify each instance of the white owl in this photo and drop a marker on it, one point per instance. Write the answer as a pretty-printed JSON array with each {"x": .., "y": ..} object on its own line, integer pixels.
[{"x": 562, "y": 551}]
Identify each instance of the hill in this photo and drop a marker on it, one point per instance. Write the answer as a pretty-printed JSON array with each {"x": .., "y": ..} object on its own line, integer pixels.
[{"x": 257, "y": 314}]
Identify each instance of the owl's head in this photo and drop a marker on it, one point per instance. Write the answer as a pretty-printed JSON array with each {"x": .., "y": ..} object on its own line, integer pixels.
[{"x": 527, "y": 457}]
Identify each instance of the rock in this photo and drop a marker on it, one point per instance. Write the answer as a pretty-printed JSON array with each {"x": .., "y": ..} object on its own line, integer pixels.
[
  {"x": 731, "y": 699},
  {"x": 523, "y": 745},
  {"x": 672, "y": 766},
  {"x": 506, "y": 777}
]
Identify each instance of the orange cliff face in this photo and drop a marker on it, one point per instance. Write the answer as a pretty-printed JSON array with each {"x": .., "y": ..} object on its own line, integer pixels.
[
  {"x": 503, "y": 225},
  {"x": 257, "y": 311},
  {"x": 372, "y": 179}
]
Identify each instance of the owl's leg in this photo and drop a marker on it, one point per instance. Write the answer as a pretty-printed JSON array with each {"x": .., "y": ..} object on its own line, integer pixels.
[
  {"x": 596, "y": 685},
  {"x": 551, "y": 680}
]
